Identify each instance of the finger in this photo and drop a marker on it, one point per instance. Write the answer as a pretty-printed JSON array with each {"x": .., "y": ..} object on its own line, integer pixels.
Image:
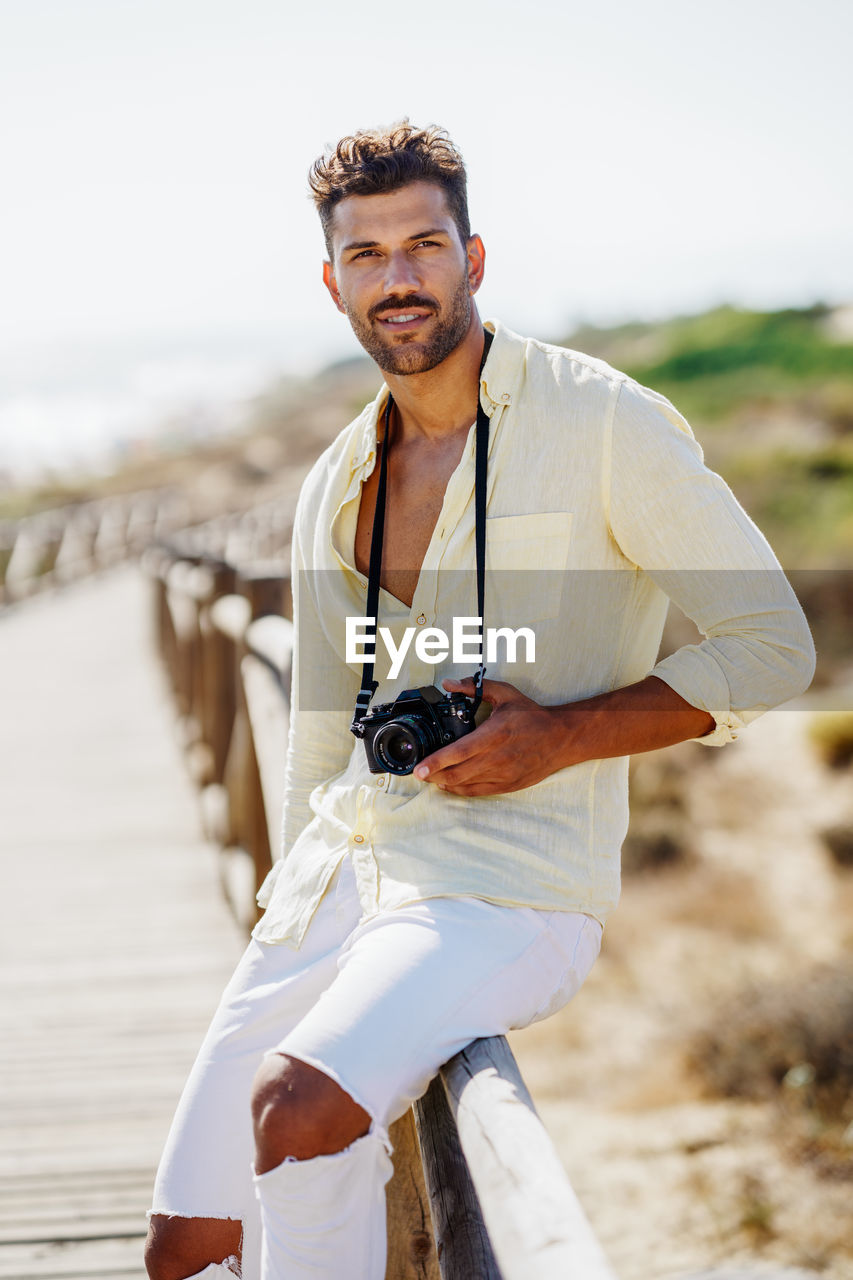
[
  {"x": 479, "y": 788},
  {"x": 465, "y": 773},
  {"x": 498, "y": 692},
  {"x": 465, "y": 685},
  {"x": 495, "y": 692},
  {"x": 475, "y": 767},
  {"x": 446, "y": 757}
]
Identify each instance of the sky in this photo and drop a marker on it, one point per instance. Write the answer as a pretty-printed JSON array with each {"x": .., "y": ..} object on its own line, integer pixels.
[{"x": 158, "y": 247}]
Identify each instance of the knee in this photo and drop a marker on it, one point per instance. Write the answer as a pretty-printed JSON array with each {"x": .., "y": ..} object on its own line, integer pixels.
[
  {"x": 300, "y": 1112},
  {"x": 162, "y": 1253},
  {"x": 177, "y": 1248}
]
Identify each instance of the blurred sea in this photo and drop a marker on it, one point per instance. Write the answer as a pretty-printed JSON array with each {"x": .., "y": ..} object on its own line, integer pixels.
[{"x": 90, "y": 409}]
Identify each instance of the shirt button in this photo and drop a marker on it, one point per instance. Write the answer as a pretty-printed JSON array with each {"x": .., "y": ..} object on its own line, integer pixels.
[
  {"x": 505, "y": 397},
  {"x": 420, "y": 619},
  {"x": 358, "y": 839},
  {"x": 380, "y": 782}
]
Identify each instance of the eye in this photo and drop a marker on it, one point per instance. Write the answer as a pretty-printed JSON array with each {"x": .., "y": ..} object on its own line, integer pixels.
[
  {"x": 428, "y": 244},
  {"x": 363, "y": 253}
]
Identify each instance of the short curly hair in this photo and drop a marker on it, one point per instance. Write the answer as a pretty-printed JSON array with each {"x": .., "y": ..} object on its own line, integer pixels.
[{"x": 376, "y": 160}]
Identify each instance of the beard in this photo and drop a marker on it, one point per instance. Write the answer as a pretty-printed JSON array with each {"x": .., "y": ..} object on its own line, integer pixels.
[{"x": 412, "y": 356}]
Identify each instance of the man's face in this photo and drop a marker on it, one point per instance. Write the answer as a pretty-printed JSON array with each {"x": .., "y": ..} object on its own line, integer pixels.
[{"x": 402, "y": 276}]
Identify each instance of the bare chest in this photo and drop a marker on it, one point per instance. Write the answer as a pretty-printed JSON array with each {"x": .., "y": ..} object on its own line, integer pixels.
[{"x": 417, "y": 481}]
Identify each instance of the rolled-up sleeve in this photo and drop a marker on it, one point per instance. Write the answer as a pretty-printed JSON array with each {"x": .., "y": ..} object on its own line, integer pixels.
[{"x": 679, "y": 523}]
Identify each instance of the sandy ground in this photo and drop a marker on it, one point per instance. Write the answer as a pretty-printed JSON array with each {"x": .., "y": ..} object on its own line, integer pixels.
[{"x": 673, "y": 1180}]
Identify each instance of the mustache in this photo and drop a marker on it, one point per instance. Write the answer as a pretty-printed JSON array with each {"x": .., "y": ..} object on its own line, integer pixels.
[{"x": 401, "y": 304}]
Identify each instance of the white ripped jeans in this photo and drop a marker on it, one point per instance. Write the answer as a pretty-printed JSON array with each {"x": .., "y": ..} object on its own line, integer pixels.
[{"x": 377, "y": 1004}]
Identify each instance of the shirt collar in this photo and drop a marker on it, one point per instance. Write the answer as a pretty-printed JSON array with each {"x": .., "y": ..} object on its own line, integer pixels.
[{"x": 499, "y": 381}]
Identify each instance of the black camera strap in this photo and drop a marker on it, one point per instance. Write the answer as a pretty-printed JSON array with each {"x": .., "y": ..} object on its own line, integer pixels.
[{"x": 368, "y": 684}]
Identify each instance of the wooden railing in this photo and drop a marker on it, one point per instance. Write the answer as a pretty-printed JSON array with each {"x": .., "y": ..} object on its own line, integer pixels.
[
  {"x": 58, "y": 546},
  {"x": 472, "y": 1158}
]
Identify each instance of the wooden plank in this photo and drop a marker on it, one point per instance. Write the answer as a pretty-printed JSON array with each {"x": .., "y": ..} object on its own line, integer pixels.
[
  {"x": 535, "y": 1222},
  {"x": 83, "y": 1226},
  {"x": 463, "y": 1246},
  {"x": 82, "y": 1260},
  {"x": 50, "y": 1217},
  {"x": 117, "y": 940}
]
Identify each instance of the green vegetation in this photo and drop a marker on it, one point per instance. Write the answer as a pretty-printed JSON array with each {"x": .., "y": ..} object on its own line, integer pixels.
[
  {"x": 770, "y": 395},
  {"x": 776, "y": 351},
  {"x": 802, "y": 500},
  {"x": 712, "y": 364}
]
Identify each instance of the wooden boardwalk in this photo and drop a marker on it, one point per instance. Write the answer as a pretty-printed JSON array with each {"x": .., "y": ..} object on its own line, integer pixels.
[{"x": 115, "y": 941}]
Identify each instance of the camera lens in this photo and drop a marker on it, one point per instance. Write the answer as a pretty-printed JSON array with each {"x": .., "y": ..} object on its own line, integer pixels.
[{"x": 401, "y": 744}]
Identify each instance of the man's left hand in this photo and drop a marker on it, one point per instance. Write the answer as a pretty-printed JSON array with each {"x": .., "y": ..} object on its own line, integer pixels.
[{"x": 513, "y": 748}]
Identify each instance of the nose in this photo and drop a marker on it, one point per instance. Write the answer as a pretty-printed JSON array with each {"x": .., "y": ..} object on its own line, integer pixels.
[{"x": 401, "y": 274}]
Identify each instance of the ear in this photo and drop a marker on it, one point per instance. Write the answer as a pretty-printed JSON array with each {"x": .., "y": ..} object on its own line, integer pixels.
[
  {"x": 332, "y": 285},
  {"x": 475, "y": 252}
]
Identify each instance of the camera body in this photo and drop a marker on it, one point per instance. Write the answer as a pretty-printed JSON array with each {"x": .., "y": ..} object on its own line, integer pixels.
[{"x": 398, "y": 735}]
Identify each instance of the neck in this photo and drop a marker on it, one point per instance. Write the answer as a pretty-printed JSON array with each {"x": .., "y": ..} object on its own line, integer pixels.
[{"x": 436, "y": 404}]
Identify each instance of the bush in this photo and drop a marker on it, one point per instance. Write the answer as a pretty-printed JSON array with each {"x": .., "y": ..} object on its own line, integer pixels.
[
  {"x": 839, "y": 841},
  {"x": 832, "y": 736},
  {"x": 660, "y": 833},
  {"x": 790, "y": 1038}
]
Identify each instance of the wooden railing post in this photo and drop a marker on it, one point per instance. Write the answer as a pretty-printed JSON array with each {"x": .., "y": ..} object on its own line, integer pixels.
[
  {"x": 267, "y": 587},
  {"x": 24, "y": 560},
  {"x": 75, "y": 555},
  {"x": 219, "y": 671},
  {"x": 198, "y": 586},
  {"x": 158, "y": 562},
  {"x": 226, "y": 804},
  {"x": 411, "y": 1243},
  {"x": 8, "y": 533},
  {"x": 182, "y": 610}
]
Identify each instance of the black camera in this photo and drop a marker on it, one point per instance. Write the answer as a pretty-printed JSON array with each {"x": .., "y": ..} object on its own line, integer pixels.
[{"x": 398, "y": 735}]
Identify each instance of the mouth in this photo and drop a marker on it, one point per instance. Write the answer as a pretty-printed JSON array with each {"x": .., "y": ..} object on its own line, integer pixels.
[{"x": 402, "y": 321}]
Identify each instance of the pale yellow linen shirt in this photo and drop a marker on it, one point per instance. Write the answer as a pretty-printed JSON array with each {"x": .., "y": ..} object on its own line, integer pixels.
[{"x": 599, "y": 508}]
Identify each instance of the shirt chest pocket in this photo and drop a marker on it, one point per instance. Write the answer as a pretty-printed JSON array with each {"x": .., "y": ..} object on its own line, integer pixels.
[{"x": 526, "y": 559}]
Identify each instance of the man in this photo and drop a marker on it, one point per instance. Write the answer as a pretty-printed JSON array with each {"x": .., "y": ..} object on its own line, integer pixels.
[{"x": 414, "y": 912}]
